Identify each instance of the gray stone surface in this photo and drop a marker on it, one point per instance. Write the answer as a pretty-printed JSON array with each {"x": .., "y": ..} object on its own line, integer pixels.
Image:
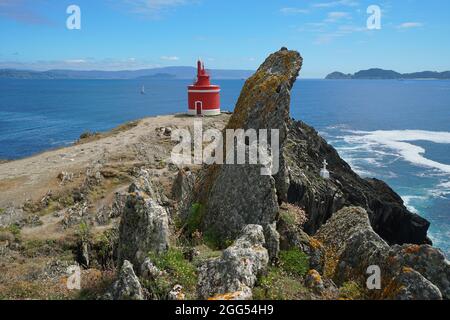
[
  {"x": 144, "y": 226},
  {"x": 238, "y": 268},
  {"x": 127, "y": 286},
  {"x": 407, "y": 272}
]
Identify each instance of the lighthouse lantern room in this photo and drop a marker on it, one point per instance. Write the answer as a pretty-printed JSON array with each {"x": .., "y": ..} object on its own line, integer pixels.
[{"x": 204, "y": 98}]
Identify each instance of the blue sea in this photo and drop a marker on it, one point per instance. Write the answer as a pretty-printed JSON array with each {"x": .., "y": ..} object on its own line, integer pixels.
[{"x": 398, "y": 131}]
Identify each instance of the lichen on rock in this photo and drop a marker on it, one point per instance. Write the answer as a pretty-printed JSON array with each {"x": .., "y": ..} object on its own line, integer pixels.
[
  {"x": 127, "y": 286},
  {"x": 236, "y": 195},
  {"x": 144, "y": 226},
  {"x": 407, "y": 272},
  {"x": 237, "y": 269}
]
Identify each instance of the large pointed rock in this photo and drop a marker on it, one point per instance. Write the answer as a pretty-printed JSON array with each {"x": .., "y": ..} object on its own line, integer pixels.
[
  {"x": 234, "y": 196},
  {"x": 145, "y": 223}
]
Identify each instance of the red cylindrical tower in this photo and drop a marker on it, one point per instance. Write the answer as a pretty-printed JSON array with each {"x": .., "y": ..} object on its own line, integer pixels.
[{"x": 204, "y": 98}]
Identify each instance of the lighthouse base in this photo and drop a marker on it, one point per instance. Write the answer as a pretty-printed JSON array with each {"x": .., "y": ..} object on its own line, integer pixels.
[{"x": 207, "y": 113}]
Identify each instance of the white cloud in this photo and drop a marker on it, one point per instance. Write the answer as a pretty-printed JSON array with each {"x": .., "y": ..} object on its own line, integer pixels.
[
  {"x": 340, "y": 32},
  {"x": 337, "y": 15},
  {"x": 75, "y": 61},
  {"x": 154, "y": 8},
  {"x": 170, "y": 58},
  {"x": 409, "y": 25},
  {"x": 293, "y": 11},
  {"x": 348, "y": 3}
]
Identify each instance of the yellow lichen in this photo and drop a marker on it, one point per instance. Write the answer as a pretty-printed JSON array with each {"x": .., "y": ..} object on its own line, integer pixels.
[
  {"x": 412, "y": 249},
  {"x": 226, "y": 296},
  {"x": 315, "y": 244},
  {"x": 407, "y": 270},
  {"x": 315, "y": 275},
  {"x": 331, "y": 262}
]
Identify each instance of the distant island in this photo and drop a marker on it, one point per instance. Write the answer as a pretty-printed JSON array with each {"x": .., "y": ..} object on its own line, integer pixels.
[
  {"x": 156, "y": 73},
  {"x": 379, "y": 74}
]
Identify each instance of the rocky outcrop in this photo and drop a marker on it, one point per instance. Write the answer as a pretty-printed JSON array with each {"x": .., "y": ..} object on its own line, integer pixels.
[
  {"x": 10, "y": 216},
  {"x": 127, "y": 286},
  {"x": 303, "y": 154},
  {"x": 407, "y": 272},
  {"x": 176, "y": 294},
  {"x": 411, "y": 285},
  {"x": 149, "y": 271},
  {"x": 239, "y": 196},
  {"x": 428, "y": 261},
  {"x": 236, "y": 195},
  {"x": 183, "y": 185},
  {"x": 144, "y": 226},
  {"x": 233, "y": 275}
]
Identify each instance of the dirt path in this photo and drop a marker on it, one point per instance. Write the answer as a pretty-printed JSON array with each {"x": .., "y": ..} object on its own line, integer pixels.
[{"x": 31, "y": 178}]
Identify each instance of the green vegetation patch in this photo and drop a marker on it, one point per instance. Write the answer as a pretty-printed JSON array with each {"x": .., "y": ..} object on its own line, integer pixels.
[
  {"x": 351, "y": 291},
  {"x": 177, "y": 269},
  {"x": 195, "y": 218},
  {"x": 294, "y": 262},
  {"x": 14, "y": 229},
  {"x": 279, "y": 285}
]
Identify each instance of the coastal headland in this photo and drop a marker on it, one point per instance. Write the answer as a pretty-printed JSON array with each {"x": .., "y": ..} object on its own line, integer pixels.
[{"x": 111, "y": 217}]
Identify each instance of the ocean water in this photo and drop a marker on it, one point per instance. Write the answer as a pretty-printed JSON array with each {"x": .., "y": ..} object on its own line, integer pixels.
[{"x": 397, "y": 131}]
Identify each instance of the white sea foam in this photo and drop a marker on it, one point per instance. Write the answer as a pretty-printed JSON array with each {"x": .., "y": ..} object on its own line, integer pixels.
[
  {"x": 441, "y": 191},
  {"x": 445, "y": 185},
  {"x": 399, "y": 142},
  {"x": 408, "y": 202}
]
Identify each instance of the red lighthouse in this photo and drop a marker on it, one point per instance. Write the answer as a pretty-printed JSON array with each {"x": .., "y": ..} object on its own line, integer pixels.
[{"x": 204, "y": 98}]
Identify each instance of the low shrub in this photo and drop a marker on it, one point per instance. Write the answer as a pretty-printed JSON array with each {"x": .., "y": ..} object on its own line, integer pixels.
[{"x": 294, "y": 261}]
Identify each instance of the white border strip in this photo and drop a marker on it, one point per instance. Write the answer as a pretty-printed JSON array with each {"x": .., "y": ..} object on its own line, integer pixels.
[
  {"x": 207, "y": 113},
  {"x": 204, "y": 91}
]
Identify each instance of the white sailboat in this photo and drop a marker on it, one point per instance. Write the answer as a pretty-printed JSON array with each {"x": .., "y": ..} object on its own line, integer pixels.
[{"x": 143, "y": 90}]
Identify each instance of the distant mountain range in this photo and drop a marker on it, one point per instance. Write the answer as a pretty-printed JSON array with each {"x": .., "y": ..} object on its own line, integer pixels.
[
  {"x": 156, "y": 73},
  {"x": 389, "y": 74}
]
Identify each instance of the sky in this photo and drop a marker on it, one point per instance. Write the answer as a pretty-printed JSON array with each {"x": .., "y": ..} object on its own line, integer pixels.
[{"x": 331, "y": 35}]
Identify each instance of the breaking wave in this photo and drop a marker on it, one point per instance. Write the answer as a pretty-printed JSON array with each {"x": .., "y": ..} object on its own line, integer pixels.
[{"x": 399, "y": 141}]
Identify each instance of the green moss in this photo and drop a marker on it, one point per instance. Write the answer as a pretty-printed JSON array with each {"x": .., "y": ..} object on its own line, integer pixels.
[
  {"x": 2, "y": 211},
  {"x": 294, "y": 262}
]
